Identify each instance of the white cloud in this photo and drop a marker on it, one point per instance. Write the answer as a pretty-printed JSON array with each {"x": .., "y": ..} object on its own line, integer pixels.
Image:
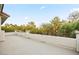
[
  {"x": 42, "y": 7},
  {"x": 74, "y": 9},
  {"x": 26, "y": 17}
]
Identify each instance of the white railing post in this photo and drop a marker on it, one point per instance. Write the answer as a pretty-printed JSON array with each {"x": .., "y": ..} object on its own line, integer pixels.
[
  {"x": 2, "y": 33},
  {"x": 0, "y": 27},
  {"x": 77, "y": 41},
  {"x": 0, "y": 23}
]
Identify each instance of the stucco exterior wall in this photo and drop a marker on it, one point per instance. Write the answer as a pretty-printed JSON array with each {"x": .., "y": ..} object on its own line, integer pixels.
[{"x": 63, "y": 42}]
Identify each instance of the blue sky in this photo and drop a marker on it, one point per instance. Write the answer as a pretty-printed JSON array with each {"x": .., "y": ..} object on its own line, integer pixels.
[{"x": 39, "y": 13}]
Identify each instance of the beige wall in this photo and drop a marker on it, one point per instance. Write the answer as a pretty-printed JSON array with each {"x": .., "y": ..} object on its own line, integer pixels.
[
  {"x": 62, "y": 42},
  {"x": 2, "y": 35},
  {"x": 77, "y": 41}
]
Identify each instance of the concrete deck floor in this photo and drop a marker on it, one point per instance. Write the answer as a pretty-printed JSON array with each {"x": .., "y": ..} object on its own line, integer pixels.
[{"x": 16, "y": 45}]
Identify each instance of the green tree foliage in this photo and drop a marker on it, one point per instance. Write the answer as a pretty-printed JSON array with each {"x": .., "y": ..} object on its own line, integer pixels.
[
  {"x": 31, "y": 27},
  {"x": 55, "y": 27},
  {"x": 74, "y": 15},
  {"x": 8, "y": 28},
  {"x": 56, "y": 24},
  {"x": 46, "y": 27}
]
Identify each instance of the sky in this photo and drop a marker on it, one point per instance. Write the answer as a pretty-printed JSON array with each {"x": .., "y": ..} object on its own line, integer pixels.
[{"x": 39, "y": 13}]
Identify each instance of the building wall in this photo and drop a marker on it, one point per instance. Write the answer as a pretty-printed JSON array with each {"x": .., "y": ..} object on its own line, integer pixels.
[{"x": 63, "y": 42}]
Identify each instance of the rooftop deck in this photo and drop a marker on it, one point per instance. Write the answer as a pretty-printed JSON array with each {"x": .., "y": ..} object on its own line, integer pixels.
[{"x": 17, "y": 45}]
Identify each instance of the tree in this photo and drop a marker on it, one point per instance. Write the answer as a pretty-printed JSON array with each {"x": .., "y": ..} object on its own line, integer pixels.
[
  {"x": 56, "y": 24},
  {"x": 31, "y": 26},
  {"x": 46, "y": 27},
  {"x": 74, "y": 15},
  {"x": 8, "y": 28}
]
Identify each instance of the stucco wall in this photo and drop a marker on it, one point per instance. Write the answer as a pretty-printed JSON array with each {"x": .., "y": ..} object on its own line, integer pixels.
[
  {"x": 63, "y": 42},
  {"x": 2, "y": 35}
]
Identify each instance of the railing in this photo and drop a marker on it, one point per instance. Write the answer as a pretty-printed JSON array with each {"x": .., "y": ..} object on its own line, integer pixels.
[
  {"x": 2, "y": 35},
  {"x": 77, "y": 41},
  {"x": 69, "y": 43}
]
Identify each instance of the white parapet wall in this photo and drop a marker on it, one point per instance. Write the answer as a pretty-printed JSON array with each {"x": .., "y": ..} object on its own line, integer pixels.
[
  {"x": 64, "y": 42},
  {"x": 77, "y": 41},
  {"x": 69, "y": 43},
  {"x": 2, "y": 35}
]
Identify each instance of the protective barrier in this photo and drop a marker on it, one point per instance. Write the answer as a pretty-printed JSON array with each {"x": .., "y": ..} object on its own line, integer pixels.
[
  {"x": 2, "y": 35},
  {"x": 63, "y": 42},
  {"x": 77, "y": 41}
]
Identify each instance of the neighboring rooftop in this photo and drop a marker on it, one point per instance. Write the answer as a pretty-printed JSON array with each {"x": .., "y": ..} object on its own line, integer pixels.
[{"x": 3, "y": 15}]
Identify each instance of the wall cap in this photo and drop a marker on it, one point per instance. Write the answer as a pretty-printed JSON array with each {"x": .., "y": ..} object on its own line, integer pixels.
[{"x": 77, "y": 32}]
